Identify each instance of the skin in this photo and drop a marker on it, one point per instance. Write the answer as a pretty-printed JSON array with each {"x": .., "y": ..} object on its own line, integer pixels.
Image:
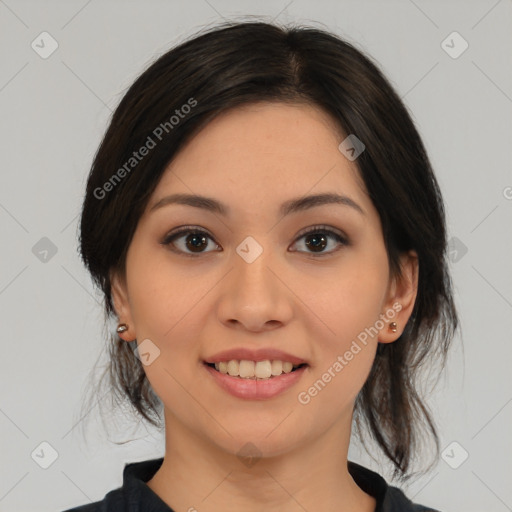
[{"x": 252, "y": 159}]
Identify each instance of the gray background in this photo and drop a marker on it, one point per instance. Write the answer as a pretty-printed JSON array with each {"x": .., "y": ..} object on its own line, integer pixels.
[{"x": 54, "y": 112}]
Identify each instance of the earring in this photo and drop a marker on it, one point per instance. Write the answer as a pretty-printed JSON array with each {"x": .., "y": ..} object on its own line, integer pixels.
[
  {"x": 122, "y": 328},
  {"x": 393, "y": 327}
]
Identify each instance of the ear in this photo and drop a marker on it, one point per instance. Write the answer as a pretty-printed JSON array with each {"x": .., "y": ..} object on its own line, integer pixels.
[
  {"x": 121, "y": 303},
  {"x": 401, "y": 297}
]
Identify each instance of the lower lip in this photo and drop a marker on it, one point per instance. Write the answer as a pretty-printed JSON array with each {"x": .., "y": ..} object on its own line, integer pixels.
[{"x": 254, "y": 389}]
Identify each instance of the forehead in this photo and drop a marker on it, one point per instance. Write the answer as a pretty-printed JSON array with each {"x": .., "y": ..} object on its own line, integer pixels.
[
  {"x": 262, "y": 154},
  {"x": 289, "y": 130}
]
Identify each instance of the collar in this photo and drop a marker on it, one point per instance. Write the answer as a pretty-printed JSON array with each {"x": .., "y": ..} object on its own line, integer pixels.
[{"x": 135, "y": 492}]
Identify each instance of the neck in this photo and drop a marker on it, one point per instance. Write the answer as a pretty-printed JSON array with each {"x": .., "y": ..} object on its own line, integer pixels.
[{"x": 197, "y": 474}]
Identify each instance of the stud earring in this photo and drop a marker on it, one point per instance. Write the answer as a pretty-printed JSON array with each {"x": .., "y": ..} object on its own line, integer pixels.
[
  {"x": 393, "y": 327},
  {"x": 122, "y": 328}
]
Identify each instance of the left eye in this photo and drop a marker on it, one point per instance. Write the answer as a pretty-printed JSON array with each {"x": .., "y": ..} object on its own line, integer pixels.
[{"x": 316, "y": 239}]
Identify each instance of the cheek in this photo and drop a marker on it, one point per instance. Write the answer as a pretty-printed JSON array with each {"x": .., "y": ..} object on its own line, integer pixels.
[
  {"x": 161, "y": 297},
  {"x": 332, "y": 392},
  {"x": 346, "y": 350},
  {"x": 349, "y": 300},
  {"x": 163, "y": 305},
  {"x": 349, "y": 308}
]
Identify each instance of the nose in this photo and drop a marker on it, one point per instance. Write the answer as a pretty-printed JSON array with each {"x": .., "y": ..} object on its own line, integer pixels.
[{"x": 255, "y": 296}]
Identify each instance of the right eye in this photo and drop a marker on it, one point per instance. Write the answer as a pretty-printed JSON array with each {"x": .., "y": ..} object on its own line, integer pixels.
[{"x": 195, "y": 241}]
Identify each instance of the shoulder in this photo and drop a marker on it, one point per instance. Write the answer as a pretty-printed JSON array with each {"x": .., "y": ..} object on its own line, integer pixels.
[
  {"x": 388, "y": 497},
  {"x": 112, "y": 502},
  {"x": 134, "y": 495},
  {"x": 397, "y": 501}
]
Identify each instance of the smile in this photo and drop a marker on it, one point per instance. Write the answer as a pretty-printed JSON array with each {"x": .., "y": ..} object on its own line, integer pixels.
[
  {"x": 246, "y": 369},
  {"x": 245, "y": 382}
]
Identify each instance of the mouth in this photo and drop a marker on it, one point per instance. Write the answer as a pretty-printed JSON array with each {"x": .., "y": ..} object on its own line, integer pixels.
[
  {"x": 254, "y": 370},
  {"x": 256, "y": 380}
]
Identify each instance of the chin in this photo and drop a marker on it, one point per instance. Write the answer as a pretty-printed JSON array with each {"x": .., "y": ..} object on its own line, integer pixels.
[{"x": 255, "y": 443}]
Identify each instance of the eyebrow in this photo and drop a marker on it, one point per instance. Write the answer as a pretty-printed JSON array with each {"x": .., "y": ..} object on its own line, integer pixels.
[{"x": 291, "y": 206}]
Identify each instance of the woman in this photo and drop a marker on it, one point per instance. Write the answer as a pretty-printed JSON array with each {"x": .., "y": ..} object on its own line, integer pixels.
[{"x": 267, "y": 231}]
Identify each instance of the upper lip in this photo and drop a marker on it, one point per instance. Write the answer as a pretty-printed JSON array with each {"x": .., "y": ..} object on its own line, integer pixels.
[{"x": 261, "y": 354}]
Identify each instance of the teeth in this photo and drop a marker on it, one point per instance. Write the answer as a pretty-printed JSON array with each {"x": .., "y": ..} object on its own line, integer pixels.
[
  {"x": 246, "y": 369},
  {"x": 254, "y": 369},
  {"x": 277, "y": 367}
]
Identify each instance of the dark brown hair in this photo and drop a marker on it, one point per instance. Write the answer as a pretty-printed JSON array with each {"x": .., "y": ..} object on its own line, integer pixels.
[{"x": 245, "y": 62}]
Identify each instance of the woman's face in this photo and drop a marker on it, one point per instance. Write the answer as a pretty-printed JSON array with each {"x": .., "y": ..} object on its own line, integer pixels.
[{"x": 253, "y": 281}]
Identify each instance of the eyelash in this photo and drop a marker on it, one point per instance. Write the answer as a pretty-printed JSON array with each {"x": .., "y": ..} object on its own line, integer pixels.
[{"x": 172, "y": 236}]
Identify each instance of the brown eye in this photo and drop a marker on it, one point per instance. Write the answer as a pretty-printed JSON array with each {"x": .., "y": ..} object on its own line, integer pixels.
[
  {"x": 195, "y": 241},
  {"x": 192, "y": 241},
  {"x": 317, "y": 239}
]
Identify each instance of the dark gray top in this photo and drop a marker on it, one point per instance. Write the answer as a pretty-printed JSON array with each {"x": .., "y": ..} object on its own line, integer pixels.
[{"x": 136, "y": 496}]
